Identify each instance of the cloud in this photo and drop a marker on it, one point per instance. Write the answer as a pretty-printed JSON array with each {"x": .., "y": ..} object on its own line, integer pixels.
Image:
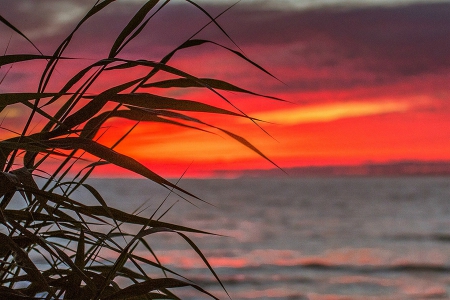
[
  {"x": 402, "y": 40},
  {"x": 10, "y": 112},
  {"x": 331, "y": 112},
  {"x": 312, "y": 4},
  {"x": 408, "y": 39}
]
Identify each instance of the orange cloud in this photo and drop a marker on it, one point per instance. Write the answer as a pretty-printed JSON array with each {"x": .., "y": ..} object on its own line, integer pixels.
[
  {"x": 332, "y": 112},
  {"x": 10, "y": 112}
]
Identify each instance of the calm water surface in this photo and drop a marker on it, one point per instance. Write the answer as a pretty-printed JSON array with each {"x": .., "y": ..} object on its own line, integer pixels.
[{"x": 298, "y": 238}]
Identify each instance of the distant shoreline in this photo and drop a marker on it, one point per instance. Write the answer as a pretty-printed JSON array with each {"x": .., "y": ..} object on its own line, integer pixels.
[
  {"x": 394, "y": 169},
  {"x": 387, "y": 169}
]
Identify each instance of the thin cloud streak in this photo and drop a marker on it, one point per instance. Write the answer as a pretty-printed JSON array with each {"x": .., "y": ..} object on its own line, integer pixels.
[{"x": 331, "y": 112}]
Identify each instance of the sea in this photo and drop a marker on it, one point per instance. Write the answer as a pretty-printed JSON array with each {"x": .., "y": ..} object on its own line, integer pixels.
[{"x": 327, "y": 238}]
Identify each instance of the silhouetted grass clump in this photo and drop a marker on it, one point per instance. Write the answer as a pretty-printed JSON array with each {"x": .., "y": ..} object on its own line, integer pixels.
[{"x": 51, "y": 244}]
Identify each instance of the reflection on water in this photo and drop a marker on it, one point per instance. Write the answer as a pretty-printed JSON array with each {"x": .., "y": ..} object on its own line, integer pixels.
[{"x": 335, "y": 238}]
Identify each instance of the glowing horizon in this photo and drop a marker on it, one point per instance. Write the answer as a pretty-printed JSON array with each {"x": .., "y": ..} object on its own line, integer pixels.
[{"x": 361, "y": 89}]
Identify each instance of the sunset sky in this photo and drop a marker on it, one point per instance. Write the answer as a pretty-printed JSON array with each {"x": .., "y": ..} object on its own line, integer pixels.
[{"x": 364, "y": 81}]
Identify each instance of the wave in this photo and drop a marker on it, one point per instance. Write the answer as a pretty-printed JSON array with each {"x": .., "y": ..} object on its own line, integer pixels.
[
  {"x": 437, "y": 237},
  {"x": 409, "y": 267}
]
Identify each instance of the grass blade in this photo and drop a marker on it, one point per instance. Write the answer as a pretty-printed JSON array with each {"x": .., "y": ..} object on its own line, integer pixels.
[
  {"x": 14, "y": 58},
  {"x": 4, "y": 21},
  {"x": 143, "y": 288},
  {"x": 213, "y": 83},
  {"x": 113, "y": 157},
  {"x": 131, "y": 26}
]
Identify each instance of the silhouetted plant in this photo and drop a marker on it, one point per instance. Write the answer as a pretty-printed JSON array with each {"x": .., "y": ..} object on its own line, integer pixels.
[{"x": 67, "y": 234}]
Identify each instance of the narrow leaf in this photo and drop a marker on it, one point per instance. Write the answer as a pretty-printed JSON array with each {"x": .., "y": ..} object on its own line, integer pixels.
[
  {"x": 14, "y": 58},
  {"x": 214, "y": 83},
  {"x": 25, "y": 262},
  {"x": 131, "y": 26},
  {"x": 4, "y": 21},
  {"x": 147, "y": 286},
  {"x": 94, "y": 106},
  {"x": 113, "y": 157}
]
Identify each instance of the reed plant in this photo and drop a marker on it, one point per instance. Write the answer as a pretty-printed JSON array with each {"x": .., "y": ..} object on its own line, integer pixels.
[{"x": 52, "y": 245}]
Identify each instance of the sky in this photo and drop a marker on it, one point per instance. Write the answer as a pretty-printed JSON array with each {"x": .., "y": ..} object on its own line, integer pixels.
[{"x": 364, "y": 81}]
